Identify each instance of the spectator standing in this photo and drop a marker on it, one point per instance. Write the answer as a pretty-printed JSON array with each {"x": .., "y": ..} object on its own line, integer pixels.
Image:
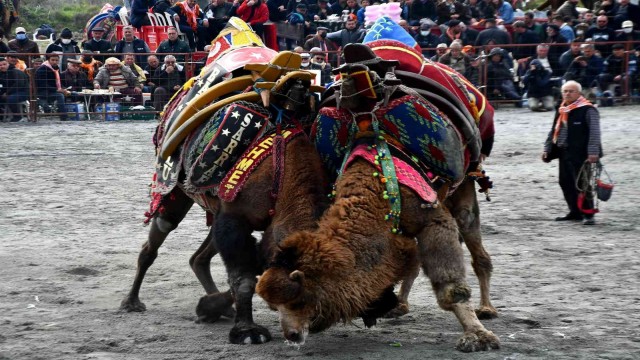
[
  {"x": 361, "y": 12},
  {"x": 173, "y": 45},
  {"x": 319, "y": 40},
  {"x": 300, "y": 18},
  {"x": 49, "y": 85},
  {"x": 190, "y": 19},
  {"x": 138, "y": 13},
  {"x": 23, "y": 45},
  {"x": 491, "y": 32},
  {"x": 537, "y": 82},
  {"x": 114, "y": 75},
  {"x": 614, "y": 69},
  {"x": 530, "y": 22},
  {"x": 170, "y": 77},
  {"x": 601, "y": 32},
  {"x": 97, "y": 45},
  {"x": 427, "y": 40},
  {"x": 554, "y": 37},
  {"x": 132, "y": 45},
  {"x": 14, "y": 88},
  {"x": 523, "y": 36},
  {"x": 350, "y": 34},
  {"x": 566, "y": 31},
  {"x": 254, "y": 13},
  {"x": 575, "y": 136},
  {"x": 65, "y": 45},
  {"x": 585, "y": 69},
  {"x": 503, "y": 11}
]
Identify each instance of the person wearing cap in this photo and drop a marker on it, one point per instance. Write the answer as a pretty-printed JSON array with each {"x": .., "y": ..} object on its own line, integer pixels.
[
  {"x": 170, "y": 77},
  {"x": 14, "y": 88},
  {"x": 441, "y": 49},
  {"x": 585, "y": 69},
  {"x": 23, "y": 45},
  {"x": 456, "y": 59},
  {"x": 350, "y": 34},
  {"x": 628, "y": 34},
  {"x": 318, "y": 40},
  {"x": 66, "y": 45},
  {"x": 131, "y": 44},
  {"x": 306, "y": 61},
  {"x": 300, "y": 18},
  {"x": 500, "y": 78},
  {"x": 491, "y": 32},
  {"x": 114, "y": 75},
  {"x": 74, "y": 79},
  {"x": 49, "y": 85},
  {"x": 614, "y": 70},
  {"x": 427, "y": 40},
  {"x": 97, "y": 45},
  {"x": 318, "y": 62},
  {"x": 602, "y": 33},
  {"x": 12, "y": 59}
]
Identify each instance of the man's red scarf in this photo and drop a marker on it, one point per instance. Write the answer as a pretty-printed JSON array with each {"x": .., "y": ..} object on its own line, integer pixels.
[{"x": 563, "y": 114}]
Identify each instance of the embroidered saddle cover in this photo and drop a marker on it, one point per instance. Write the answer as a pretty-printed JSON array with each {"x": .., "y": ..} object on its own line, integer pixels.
[
  {"x": 216, "y": 145},
  {"x": 413, "y": 122}
]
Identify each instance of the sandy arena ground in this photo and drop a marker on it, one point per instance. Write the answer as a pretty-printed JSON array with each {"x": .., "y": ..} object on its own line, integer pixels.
[{"x": 73, "y": 198}]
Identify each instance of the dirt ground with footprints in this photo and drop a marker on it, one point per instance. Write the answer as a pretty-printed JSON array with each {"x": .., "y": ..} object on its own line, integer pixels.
[{"x": 73, "y": 198}]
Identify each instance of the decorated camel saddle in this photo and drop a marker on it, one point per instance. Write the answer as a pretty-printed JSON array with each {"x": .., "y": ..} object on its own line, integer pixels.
[{"x": 230, "y": 114}]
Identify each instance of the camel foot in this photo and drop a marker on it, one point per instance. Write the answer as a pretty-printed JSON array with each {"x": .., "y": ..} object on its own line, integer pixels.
[
  {"x": 486, "y": 313},
  {"x": 401, "y": 309},
  {"x": 480, "y": 340},
  {"x": 249, "y": 334},
  {"x": 211, "y": 307},
  {"x": 129, "y": 305}
]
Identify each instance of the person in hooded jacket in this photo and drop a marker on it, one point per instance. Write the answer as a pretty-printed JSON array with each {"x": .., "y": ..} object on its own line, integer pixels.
[
  {"x": 537, "y": 81},
  {"x": 14, "y": 88},
  {"x": 65, "y": 45}
]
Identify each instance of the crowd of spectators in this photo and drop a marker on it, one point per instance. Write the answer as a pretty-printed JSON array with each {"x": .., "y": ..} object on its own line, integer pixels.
[{"x": 516, "y": 55}]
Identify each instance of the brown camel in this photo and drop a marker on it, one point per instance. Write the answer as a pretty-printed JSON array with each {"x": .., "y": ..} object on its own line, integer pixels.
[{"x": 351, "y": 261}]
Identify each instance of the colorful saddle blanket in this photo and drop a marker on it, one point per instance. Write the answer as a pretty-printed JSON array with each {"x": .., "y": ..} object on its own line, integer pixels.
[
  {"x": 218, "y": 144},
  {"x": 413, "y": 122},
  {"x": 407, "y": 175}
]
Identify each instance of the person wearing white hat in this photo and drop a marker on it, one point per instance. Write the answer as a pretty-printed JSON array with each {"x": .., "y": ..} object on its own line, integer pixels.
[
  {"x": 23, "y": 45},
  {"x": 113, "y": 75},
  {"x": 628, "y": 34},
  {"x": 441, "y": 49}
]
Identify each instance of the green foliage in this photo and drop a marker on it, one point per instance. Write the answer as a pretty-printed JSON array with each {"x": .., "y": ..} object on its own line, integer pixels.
[{"x": 72, "y": 14}]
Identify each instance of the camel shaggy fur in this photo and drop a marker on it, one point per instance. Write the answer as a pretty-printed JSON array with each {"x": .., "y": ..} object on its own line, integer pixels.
[{"x": 331, "y": 274}]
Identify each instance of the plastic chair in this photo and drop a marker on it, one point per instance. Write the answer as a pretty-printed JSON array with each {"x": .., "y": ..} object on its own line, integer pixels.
[
  {"x": 162, "y": 36},
  {"x": 153, "y": 18},
  {"x": 123, "y": 14},
  {"x": 119, "y": 31},
  {"x": 150, "y": 37}
]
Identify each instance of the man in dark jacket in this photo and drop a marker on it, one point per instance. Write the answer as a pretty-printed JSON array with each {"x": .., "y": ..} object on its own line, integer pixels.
[
  {"x": 350, "y": 34},
  {"x": 491, "y": 32},
  {"x": 97, "y": 45},
  {"x": 173, "y": 45},
  {"x": 217, "y": 13},
  {"x": 614, "y": 69},
  {"x": 49, "y": 85},
  {"x": 65, "y": 45},
  {"x": 138, "y": 14},
  {"x": 601, "y": 32},
  {"x": 170, "y": 77},
  {"x": 14, "y": 88},
  {"x": 427, "y": 40},
  {"x": 500, "y": 78},
  {"x": 523, "y": 36},
  {"x": 584, "y": 69},
  {"x": 74, "y": 79},
  {"x": 132, "y": 45},
  {"x": 23, "y": 45},
  {"x": 575, "y": 136},
  {"x": 190, "y": 18}
]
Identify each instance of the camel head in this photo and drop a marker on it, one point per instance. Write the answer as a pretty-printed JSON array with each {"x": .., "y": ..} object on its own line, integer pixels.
[{"x": 297, "y": 281}]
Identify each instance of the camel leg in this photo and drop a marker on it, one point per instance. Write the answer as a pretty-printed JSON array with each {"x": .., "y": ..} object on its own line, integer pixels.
[
  {"x": 215, "y": 304},
  {"x": 240, "y": 255},
  {"x": 403, "y": 294},
  {"x": 464, "y": 207},
  {"x": 443, "y": 262},
  {"x": 175, "y": 209}
]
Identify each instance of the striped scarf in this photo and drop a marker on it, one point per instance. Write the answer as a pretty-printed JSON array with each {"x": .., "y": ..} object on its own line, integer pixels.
[{"x": 563, "y": 114}]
